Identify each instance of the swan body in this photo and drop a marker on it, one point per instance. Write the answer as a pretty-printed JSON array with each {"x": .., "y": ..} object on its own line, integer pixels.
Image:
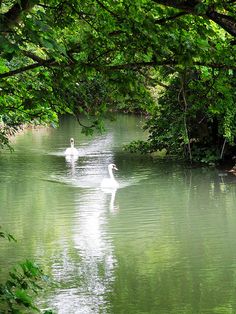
[
  {"x": 71, "y": 151},
  {"x": 110, "y": 182}
]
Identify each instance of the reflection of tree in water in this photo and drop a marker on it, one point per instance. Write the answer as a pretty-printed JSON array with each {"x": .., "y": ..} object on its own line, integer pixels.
[{"x": 185, "y": 262}]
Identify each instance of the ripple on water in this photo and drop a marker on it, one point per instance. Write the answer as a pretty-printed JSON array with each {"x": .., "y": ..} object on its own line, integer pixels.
[{"x": 165, "y": 231}]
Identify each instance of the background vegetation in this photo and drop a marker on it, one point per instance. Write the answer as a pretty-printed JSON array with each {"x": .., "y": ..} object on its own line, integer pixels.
[{"x": 173, "y": 60}]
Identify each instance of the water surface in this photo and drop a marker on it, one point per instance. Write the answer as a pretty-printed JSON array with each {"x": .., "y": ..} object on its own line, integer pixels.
[{"x": 164, "y": 242}]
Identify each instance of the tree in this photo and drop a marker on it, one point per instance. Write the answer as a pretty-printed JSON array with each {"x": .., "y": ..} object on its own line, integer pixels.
[{"x": 60, "y": 48}]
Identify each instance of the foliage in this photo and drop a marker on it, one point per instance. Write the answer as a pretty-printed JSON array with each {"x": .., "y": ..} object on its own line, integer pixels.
[
  {"x": 90, "y": 57},
  {"x": 17, "y": 293},
  {"x": 195, "y": 124}
]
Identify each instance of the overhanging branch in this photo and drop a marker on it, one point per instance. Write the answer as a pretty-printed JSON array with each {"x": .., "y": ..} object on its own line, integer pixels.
[
  {"x": 169, "y": 18},
  {"x": 187, "y": 6},
  {"x": 27, "y": 68},
  {"x": 225, "y": 21},
  {"x": 135, "y": 66},
  {"x": 13, "y": 15}
]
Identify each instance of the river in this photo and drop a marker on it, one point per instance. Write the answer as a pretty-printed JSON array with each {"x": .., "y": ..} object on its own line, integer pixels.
[{"x": 163, "y": 242}]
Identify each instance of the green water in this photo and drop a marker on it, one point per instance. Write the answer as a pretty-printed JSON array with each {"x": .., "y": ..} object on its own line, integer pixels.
[{"x": 164, "y": 242}]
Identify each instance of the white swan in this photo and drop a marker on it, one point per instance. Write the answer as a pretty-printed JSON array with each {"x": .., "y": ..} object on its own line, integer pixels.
[
  {"x": 71, "y": 151},
  {"x": 110, "y": 182}
]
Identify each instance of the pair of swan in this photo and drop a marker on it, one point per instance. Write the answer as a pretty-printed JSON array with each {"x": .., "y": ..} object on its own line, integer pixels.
[{"x": 72, "y": 153}]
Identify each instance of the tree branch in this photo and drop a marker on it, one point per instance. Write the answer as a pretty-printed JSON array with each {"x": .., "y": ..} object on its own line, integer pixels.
[
  {"x": 27, "y": 68},
  {"x": 227, "y": 22},
  {"x": 188, "y": 6},
  {"x": 106, "y": 9},
  {"x": 82, "y": 15},
  {"x": 170, "y": 18},
  {"x": 138, "y": 65},
  {"x": 40, "y": 62},
  {"x": 126, "y": 66},
  {"x": 32, "y": 56},
  {"x": 13, "y": 15},
  {"x": 45, "y": 6},
  {"x": 132, "y": 66},
  {"x": 185, "y": 117}
]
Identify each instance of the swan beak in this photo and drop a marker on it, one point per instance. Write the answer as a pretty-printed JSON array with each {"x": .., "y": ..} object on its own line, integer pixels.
[{"x": 115, "y": 168}]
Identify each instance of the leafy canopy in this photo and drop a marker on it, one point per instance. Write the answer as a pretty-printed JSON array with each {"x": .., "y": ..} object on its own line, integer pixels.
[{"x": 87, "y": 57}]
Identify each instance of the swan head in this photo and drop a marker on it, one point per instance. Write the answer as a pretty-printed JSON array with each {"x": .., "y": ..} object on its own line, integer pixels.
[
  {"x": 72, "y": 142},
  {"x": 112, "y": 167}
]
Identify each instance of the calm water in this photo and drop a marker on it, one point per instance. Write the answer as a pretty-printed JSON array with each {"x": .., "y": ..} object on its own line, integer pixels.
[{"x": 164, "y": 242}]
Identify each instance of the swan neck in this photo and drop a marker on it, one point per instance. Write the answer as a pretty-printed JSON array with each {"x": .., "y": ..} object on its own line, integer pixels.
[
  {"x": 111, "y": 173},
  {"x": 72, "y": 145}
]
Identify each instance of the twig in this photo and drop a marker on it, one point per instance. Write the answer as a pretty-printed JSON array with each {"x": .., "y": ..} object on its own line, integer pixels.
[
  {"x": 185, "y": 120},
  {"x": 223, "y": 148}
]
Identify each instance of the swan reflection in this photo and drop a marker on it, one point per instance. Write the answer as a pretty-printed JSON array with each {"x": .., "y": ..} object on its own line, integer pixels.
[
  {"x": 94, "y": 245},
  {"x": 96, "y": 261},
  {"x": 71, "y": 163},
  {"x": 71, "y": 159},
  {"x": 112, "y": 192}
]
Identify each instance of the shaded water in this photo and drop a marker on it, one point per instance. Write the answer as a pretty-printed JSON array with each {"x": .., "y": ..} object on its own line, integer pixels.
[{"x": 164, "y": 242}]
